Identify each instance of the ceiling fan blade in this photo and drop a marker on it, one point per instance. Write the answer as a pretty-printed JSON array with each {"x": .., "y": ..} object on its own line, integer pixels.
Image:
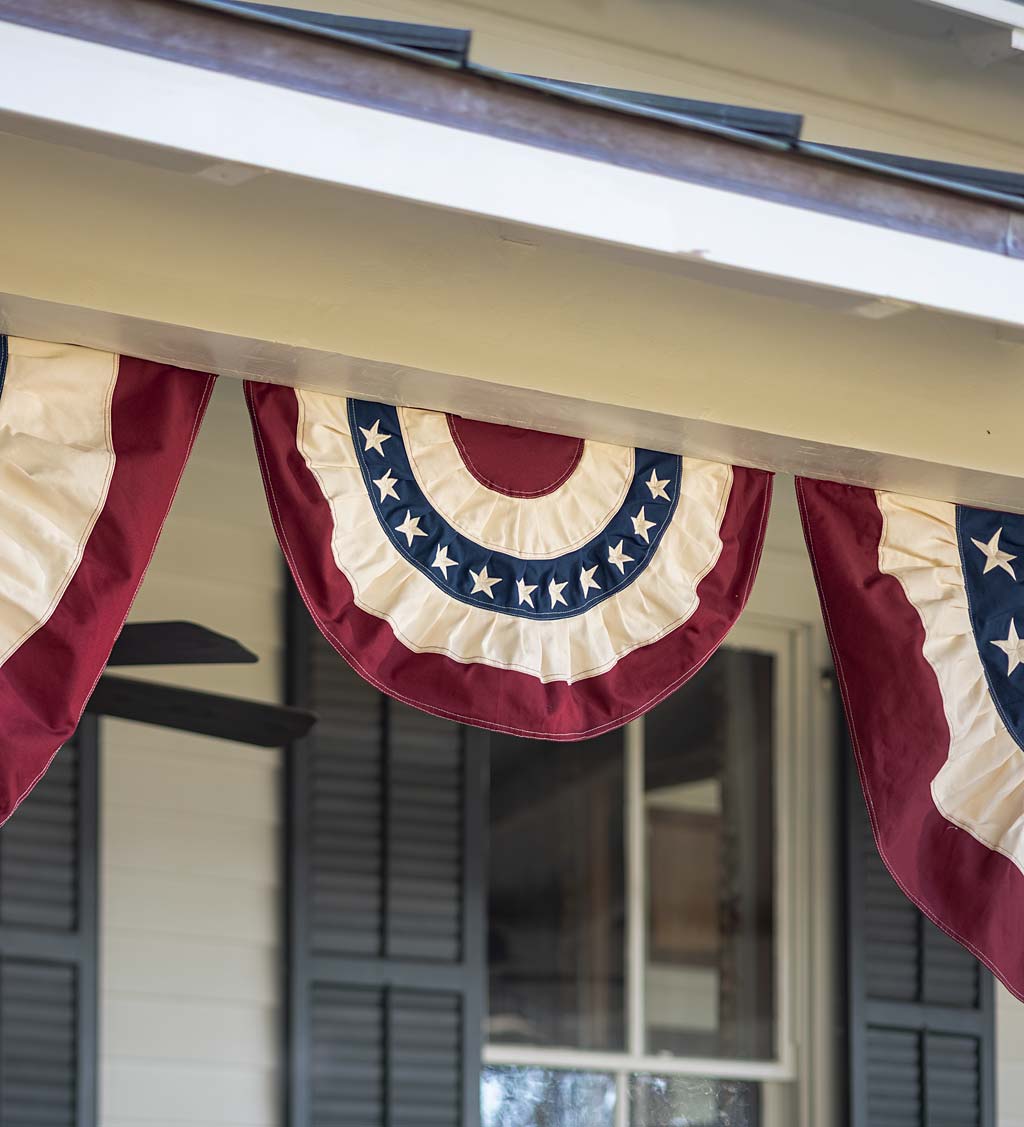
[
  {"x": 176, "y": 643},
  {"x": 208, "y": 714}
]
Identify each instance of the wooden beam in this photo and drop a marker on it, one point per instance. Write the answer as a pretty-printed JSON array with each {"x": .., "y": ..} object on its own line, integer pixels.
[{"x": 525, "y": 406}]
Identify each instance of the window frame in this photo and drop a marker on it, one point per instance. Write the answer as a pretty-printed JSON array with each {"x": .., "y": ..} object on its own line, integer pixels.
[{"x": 794, "y": 720}]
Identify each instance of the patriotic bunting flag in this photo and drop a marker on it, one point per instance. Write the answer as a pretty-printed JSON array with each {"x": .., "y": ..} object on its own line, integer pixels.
[
  {"x": 91, "y": 449},
  {"x": 524, "y": 582},
  {"x": 533, "y": 584},
  {"x": 922, "y": 600}
]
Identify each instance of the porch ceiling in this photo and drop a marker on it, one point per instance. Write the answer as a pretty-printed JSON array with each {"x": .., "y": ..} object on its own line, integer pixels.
[{"x": 177, "y": 213}]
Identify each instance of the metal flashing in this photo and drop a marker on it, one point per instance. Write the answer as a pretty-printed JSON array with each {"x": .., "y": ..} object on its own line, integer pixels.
[{"x": 764, "y": 129}]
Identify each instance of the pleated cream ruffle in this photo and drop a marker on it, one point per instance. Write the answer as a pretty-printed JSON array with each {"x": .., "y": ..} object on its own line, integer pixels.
[{"x": 426, "y": 620}]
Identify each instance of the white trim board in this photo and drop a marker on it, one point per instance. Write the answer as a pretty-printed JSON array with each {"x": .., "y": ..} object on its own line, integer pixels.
[
  {"x": 316, "y": 370},
  {"x": 1003, "y": 13},
  {"x": 238, "y": 122}
]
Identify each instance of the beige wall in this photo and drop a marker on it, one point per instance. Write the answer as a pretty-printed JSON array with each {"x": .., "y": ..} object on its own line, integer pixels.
[{"x": 190, "y": 891}]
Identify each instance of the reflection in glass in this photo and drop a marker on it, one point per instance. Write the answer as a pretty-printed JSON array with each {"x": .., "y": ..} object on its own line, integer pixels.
[
  {"x": 708, "y": 798},
  {"x": 537, "y": 1097},
  {"x": 556, "y": 893},
  {"x": 689, "y": 1101}
]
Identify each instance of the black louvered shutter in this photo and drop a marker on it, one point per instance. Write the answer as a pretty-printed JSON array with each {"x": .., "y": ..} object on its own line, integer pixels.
[
  {"x": 386, "y": 903},
  {"x": 48, "y": 946},
  {"x": 921, "y": 1008}
]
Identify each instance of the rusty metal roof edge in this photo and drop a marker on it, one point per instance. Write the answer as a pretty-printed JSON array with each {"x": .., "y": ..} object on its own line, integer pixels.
[
  {"x": 550, "y": 86},
  {"x": 839, "y": 156},
  {"x": 247, "y": 12},
  {"x": 571, "y": 92}
]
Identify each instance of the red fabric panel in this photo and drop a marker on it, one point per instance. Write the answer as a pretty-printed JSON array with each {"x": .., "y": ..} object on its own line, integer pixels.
[
  {"x": 900, "y": 735},
  {"x": 499, "y": 699},
  {"x": 45, "y": 684},
  {"x": 493, "y": 455}
]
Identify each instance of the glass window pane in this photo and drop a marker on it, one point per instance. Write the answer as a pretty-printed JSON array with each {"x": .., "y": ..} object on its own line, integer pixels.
[
  {"x": 690, "y": 1101},
  {"x": 556, "y": 888},
  {"x": 539, "y": 1097},
  {"x": 708, "y": 801}
]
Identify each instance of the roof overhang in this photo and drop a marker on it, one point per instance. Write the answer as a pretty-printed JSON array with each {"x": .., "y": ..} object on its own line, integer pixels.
[
  {"x": 999, "y": 13},
  {"x": 499, "y": 169}
]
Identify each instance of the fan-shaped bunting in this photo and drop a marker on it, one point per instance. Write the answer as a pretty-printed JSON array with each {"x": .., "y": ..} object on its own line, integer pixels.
[
  {"x": 922, "y": 603},
  {"x": 524, "y": 582},
  {"x": 91, "y": 449}
]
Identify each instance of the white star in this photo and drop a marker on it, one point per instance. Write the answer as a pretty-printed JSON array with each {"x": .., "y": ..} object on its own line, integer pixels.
[
  {"x": 994, "y": 557},
  {"x": 587, "y": 580},
  {"x": 555, "y": 593},
  {"x": 1013, "y": 647},
  {"x": 386, "y": 485},
  {"x": 442, "y": 561},
  {"x": 482, "y": 582},
  {"x": 374, "y": 439},
  {"x": 525, "y": 591},
  {"x": 618, "y": 557},
  {"x": 657, "y": 487},
  {"x": 410, "y": 528},
  {"x": 641, "y": 525}
]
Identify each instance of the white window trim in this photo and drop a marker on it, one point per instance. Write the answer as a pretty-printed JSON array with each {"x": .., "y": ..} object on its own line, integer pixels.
[
  {"x": 801, "y": 883},
  {"x": 1003, "y": 13}
]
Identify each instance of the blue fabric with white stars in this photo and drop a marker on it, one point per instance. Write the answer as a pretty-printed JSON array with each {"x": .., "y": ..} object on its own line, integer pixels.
[
  {"x": 996, "y": 601},
  {"x": 461, "y": 557}
]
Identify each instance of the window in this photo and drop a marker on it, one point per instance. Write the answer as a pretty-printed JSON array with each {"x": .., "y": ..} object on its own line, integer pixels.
[
  {"x": 557, "y": 893},
  {"x": 615, "y": 916},
  {"x": 636, "y": 930}
]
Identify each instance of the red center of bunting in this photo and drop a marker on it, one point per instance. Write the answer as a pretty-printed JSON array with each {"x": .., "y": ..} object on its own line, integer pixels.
[{"x": 513, "y": 461}]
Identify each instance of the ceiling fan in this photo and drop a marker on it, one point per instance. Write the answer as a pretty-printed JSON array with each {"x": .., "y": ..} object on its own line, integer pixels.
[{"x": 191, "y": 710}]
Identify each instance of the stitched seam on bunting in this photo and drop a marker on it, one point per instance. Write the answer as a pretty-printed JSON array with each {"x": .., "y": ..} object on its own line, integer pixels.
[
  {"x": 351, "y": 658},
  {"x": 596, "y": 528},
  {"x": 523, "y": 494},
  {"x": 862, "y": 773},
  {"x": 513, "y": 611},
  {"x": 94, "y": 516},
  {"x": 199, "y": 416}
]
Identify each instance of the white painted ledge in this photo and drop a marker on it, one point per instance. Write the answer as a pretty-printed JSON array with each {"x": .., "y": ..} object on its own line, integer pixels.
[
  {"x": 1003, "y": 13},
  {"x": 546, "y": 410},
  {"x": 237, "y": 122}
]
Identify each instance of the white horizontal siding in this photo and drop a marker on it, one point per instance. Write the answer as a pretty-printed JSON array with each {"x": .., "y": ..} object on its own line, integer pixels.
[
  {"x": 190, "y": 1013},
  {"x": 178, "y": 1093}
]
